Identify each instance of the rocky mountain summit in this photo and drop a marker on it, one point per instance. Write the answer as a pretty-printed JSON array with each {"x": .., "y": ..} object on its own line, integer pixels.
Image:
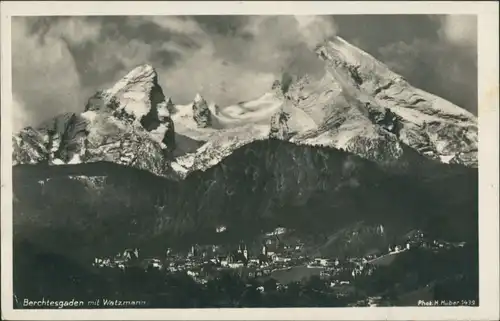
[
  {"x": 358, "y": 105},
  {"x": 128, "y": 124},
  {"x": 201, "y": 113},
  {"x": 363, "y": 107}
]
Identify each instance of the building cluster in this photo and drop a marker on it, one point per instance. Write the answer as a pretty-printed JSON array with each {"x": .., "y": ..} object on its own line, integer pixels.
[
  {"x": 337, "y": 272},
  {"x": 202, "y": 262},
  {"x": 416, "y": 239},
  {"x": 121, "y": 260},
  {"x": 262, "y": 257}
]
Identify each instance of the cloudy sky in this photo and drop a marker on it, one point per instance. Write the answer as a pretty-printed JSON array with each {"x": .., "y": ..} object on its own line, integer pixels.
[{"x": 58, "y": 62}]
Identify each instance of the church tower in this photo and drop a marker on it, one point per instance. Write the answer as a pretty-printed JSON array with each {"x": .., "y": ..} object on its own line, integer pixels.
[{"x": 245, "y": 253}]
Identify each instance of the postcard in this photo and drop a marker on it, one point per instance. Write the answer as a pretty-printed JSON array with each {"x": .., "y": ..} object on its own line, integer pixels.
[{"x": 250, "y": 160}]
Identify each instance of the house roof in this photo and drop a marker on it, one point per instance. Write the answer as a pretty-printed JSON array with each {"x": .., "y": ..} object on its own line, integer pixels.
[{"x": 272, "y": 248}]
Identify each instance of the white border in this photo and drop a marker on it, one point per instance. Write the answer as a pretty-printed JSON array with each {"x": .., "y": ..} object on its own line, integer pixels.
[{"x": 488, "y": 113}]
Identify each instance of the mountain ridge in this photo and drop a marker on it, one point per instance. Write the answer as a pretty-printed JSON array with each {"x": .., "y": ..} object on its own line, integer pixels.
[
  {"x": 359, "y": 105},
  {"x": 263, "y": 184}
]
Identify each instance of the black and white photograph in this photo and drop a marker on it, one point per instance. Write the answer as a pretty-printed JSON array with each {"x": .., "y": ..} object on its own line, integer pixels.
[{"x": 259, "y": 161}]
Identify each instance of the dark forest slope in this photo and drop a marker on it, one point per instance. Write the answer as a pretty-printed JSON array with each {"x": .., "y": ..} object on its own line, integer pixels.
[{"x": 100, "y": 208}]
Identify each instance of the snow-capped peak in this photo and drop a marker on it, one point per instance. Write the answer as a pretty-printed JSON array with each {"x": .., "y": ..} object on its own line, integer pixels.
[
  {"x": 127, "y": 124},
  {"x": 198, "y": 98},
  {"x": 142, "y": 73},
  {"x": 360, "y": 99}
]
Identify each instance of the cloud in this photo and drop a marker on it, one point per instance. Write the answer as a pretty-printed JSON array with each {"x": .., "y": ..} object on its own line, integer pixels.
[
  {"x": 74, "y": 31},
  {"x": 315, "y": 29},
  {"x": 174, "y": 23},
  {"x": 218, "y": 81},
  {"x": 19, "y": 114},
  {"x": 58, "y": 62},
  {"x": 44, "y": 76},
  {"x": 459, "y": 29},
  {"x": 240, "y": 63}
]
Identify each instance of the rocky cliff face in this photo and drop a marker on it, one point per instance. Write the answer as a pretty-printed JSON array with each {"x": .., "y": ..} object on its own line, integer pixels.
[
  {"x": 201, "y": 113},
  {"x": 279, "y": 127},
  {"x": 128, "y": 124},
  {"x": 170, "y": 105},
  {"x": 363, "y": 107}
]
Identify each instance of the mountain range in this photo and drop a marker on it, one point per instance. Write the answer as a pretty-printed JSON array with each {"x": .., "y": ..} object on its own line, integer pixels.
[
  {"x": 359, "y": 105},
  {"x": 314, "y": 154}
]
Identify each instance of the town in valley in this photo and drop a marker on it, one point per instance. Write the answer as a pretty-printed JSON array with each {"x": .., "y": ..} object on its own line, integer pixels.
[{"x": 274, "y": 256}]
